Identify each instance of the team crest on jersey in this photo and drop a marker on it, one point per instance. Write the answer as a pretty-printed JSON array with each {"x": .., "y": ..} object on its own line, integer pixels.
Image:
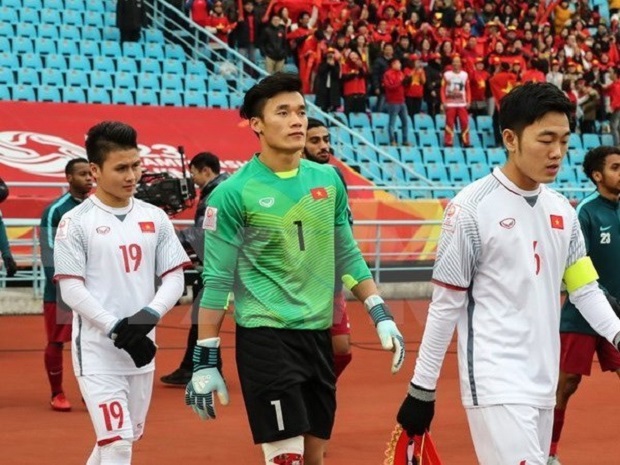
[
  {"x": 63, "y": 229},
  {"x": 508, "y": 223},
  {"x": 267, "y": 202},
  {"x": 450, "y": 216},
  {"x": 210, "y": 221},
  {"x": 147, "y": 226},
  {"x": 103, "y": 230},
  {"x": 319, "y": 193},
  {"x": 557, "y": 221}
]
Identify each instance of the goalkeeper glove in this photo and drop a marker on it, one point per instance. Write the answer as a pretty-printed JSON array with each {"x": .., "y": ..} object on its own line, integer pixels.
[
  {"x": 417, "y": 411},
  {"x": 206, "y": 379},
  {"x": 142, "y": 351},
  {"x": 389, "y": 335},
  {"x": 9, "y": 265},
  {"x": 129, "y": 331}
]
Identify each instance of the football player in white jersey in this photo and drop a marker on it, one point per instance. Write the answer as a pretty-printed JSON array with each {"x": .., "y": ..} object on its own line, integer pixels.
[
  {"x": 508, "y": 242},
  {"x": 108, "y": 252}
]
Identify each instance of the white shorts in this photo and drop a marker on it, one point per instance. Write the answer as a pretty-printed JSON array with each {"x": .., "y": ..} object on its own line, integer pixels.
[
  {"x": 511, "y": 434},
  {"x": 117, "y": 404}
]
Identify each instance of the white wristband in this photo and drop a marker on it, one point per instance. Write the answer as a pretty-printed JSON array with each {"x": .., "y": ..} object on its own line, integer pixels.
[{"x": 372, "y": 301}]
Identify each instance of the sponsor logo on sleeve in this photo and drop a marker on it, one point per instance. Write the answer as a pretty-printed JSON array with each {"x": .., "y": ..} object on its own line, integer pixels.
[
  {"x": 210, "y": 221},
  {"x": 450, "y": 217},
  {"x": 63, "y": 229}
]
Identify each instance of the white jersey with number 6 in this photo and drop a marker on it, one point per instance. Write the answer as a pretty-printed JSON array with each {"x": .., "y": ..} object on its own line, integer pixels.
[{"x": 118, "y": 254}]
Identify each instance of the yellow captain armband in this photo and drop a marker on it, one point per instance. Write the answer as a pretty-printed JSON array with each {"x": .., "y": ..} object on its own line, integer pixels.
[
  {"x": 579, "y": 274},
  {"x": 349, "y": 281}
]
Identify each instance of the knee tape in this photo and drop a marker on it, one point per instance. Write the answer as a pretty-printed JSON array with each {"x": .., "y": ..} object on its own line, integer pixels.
[
  {"x": 116, "y": 453},
  {"x": 286, "y": 452}
]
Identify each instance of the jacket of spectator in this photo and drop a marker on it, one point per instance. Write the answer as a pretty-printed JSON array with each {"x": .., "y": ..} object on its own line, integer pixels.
[{"x": 273, "y": 42}]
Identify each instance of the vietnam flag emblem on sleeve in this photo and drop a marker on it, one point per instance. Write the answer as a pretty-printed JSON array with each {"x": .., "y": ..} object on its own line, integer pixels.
[
  {"x": 557, "y": 221},
  {"x": 319, "y": 193},
  {"x": 147, "y": 226}
]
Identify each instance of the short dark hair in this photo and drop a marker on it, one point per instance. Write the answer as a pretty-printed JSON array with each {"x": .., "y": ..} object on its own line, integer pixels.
[
  {"x": 315, "y": 123},
  {"x": 206, "y": 160},
  {"x": 595, "y": 159},
  {"x": 528, "y": 103},
  {"x": 255, "y": 98},
  {"x": 107, "y": 137},
  {"x": 74, "y": 161}
]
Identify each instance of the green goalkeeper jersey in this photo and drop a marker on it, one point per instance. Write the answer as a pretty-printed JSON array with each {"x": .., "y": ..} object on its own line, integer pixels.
[{"x": 277, "y": 242}]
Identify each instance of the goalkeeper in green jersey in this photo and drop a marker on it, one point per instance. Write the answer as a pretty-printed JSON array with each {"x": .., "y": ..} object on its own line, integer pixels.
[{"x": 277, "y": 234}]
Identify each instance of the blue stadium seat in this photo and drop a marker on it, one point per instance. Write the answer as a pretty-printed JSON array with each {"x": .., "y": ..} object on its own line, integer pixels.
[
  {"x": 7, "y": 78},
  {"x": 106, "y": 64},
  {"x": 243, "y": 84},
  {"x": 194, "y": 82},
  {"x": 444, "y": 193},
  {"x": 479, "y": 170},
  {"x": 148, "y": 81},
  {"x": 590, "y": 141},
  {"x": 411, "y": 155},
  {"x": 77, "y": 5},
  {"x": 474, "y": 138},
  {"x": 153, "y": 36},
  {"x": 122, "y": 96},
  {"x": 428, "y": 139},
  {"x": 49, "y": 16},
  {"x": 394, "y": 173},
  {"x": 111, "y": 33},
  {"x": 150, "y": 65},
  {"x": 566, "y": 176},
  {"x": 488, "y": 139},
  {"x": 174, "y": 51},
  {"x": 90, "y": 48},
  {"x": 458, "y": 174},
  {"x": 382, "y": 137},
  {"x": 576, "y": 157},
  {"x": 52, "y": 77},
  {"x": 31, "y": 15},
  {"x": 432, "y": 155},
  {"x": 73, "y": 95},
  {"x": 155, "y": 51},
  {"x": 342, "y": 117},
  {"x": 49, "y": 94},
  {"x": 133, "y": 50},
  {"x": 44, "y": 46},
  {"x": 340, "y": 136},
  {"x": 217, "y": 84},
  {"x": 101, "y": 79},
  {"x": 53, "y": 4},
  {"x": 366, "y": 133},
  {"x": 91, "y": 33},
  {"x": 359, "y": 120},
  {"x": 111, "y": 49},
  {"x": 79, "y": 62},
  {"x": 55, "y": 61},
  {"x": 5, "y": 43},
  {"x": 32, "y": 60},
  {"x": 98, "y": 95},
  {"x": 218, "y": 100},
  {"x": 436, "y": 172},
  {"x": 48, "y": 31},
  {"x": 392, "y": 151},
  {"x": 172, "y": 82},
  {"x": 607, "y": 139},
  {"x": 93, "y": 18},
  {"x": 8, "y": 15},
  {"x": 453, "y": 155},
  {"x": 146, "y": 97},
  {"x": 95, "y": 5},
  {"x": 496, "y": 156},
  {"x": 70, "y": 33},
  {"x": 73, "y": 18},
  {"x": 195, "y": 98},
  {"x": 581, "y": 178},
  {"x": 68, "y": 47},
  {"x": 173, "y": 66},
  {"x": 9, "y": 60},
  {"x": 423, "y": 121},
  {"x": 574, "y": 142},
  {"x": 366, "y": 153},
  {"x": 380, "y": 120},
  {"x": 28, "y": 30},
  {"x": 5, "y": 92},
  {"x": 6, "y": 29},
  {"x": 484, "y": 123},
  {"x": 126, "y": 65},
  {"x": 170, "y": 97},
  {"x": 123, "y": 80},
  {"x": 109, "y": 5},
  {"x": 22, "y": 45},
  {"x": 13, "y": 3},
  {"x": 475, "y": 155},
  {"x": 235, "y": 100},
  {"x": 22, "y": 92},
  {"x": 28, "y": 77},
  {"x": 440, "y": 122},
  {"x": 76, "y": 78}
]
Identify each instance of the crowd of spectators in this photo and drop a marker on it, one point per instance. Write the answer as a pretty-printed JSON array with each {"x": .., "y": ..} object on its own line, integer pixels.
[{"x": 343, "y": 49}]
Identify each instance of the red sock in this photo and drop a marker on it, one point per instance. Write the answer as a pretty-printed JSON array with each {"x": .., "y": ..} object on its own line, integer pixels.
[
  {"x": 558, "y": 424},
  {"x": 340, "y": 363},
  {"x": 53, "y": 366}
]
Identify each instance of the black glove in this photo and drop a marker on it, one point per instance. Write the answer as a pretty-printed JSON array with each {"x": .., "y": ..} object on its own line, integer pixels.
[
  {"x": 417, "y": 411},
  {"x": 141, "y": 351},
  {"x": 130, "y": 330},
  {"x": 615, "y": 305},
  {"x": 9, "y": 265}
]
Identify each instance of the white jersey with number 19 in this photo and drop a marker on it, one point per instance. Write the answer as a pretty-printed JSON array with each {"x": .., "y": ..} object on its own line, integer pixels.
[{"x": 117, "y": 253}]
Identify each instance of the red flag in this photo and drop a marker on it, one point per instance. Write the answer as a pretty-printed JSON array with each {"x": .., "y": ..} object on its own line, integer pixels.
[
  {"x": 147, "y": 226},
  {"x": 319, "y": 193},
  {"x": 557, "y": 221}
]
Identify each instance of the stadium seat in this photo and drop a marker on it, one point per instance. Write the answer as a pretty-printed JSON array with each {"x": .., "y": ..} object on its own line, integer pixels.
[
  {"x": 95, "y": 5},
  {"x": 436, "y": 172},
  {"x": 5, "y": 43},
  {"x": 150, "y": 65},
  {"x": 111, "y": 49},
  {"x": 359, "y": 120},
  {"x": 367, "y": 154},
  {"x": 32, "y": 60},
  {"x": 576, "y": 157},
  {"x": 49, "y": 16},
  {"x": 566, "y": 176},
  {"x": 428, "y": 139},
  {"x": 122, "y": 96},
  {"x": 9, "y": 60},
  {"x": 444, "y": 193},
  {"x": 109, "y": 18},
  {"x": 366, "y": 134},
  {"x": 148, "y": 81},
  {"x": 153, "y": 36},
  {"x": 146, "y": 97},
  {"x": 342, "y": 117},
  {"x": 49, "y": 94},
  {"x": 432, "y": 155},
  {"x": 479, "y": 170},
  {"x": 474, "y": 138},
  {"x": 155, "y": 51},
  {"x": 6, "y": 30},
  {"x": 198, "y": 67},
  {"x": 52, "y": 77},
  {"x": 28, "y": 30},
  {"x": 590, "y": 141},
  {"x": 48, "y": 31},
  {"x": 79, "y": 62},
  {"x": 194, "y": 98},
  {"x": 123, "y": 80},
  {"x": 14, "y": 3},
  {"x": 126, "y": 65},
  {"x": 217, "y": 84},
  {"x": 172, "y": 82},
  {"x": 607, "y": 139},
  {"x": 6, "y": 77},
  {"x": 243, "y": 84},
  {"x": 484, "y": 123},
  {"x": 581, "y": 178},
  {"x": 77, "y": 5},
  {"x": 488, "y": 139},
  {"x": 574, "y": 142},
  {"x": 90, "y": 48},
  {"x": 380, "y": 121},
  {"x": 453, "y": 155},
  {"x": 77, "y": 78},
  {"x": 496, "y": 156},
  {"x": 28, "y": 77},
  {"x": 422, "y": 121},
  {"x": 9, "y": 15},
  {"x": 475, "y": 155},
  {"x": 98, "y": 95},
  {"x": 22, "y": 92},
  {"x": 73, "y": 17},
  {"x": 170, "y": 97},
  {"x": 101, "y": 79},
  {"x": 31, "y": 15},
  {"x": 68, "y": 47},
  {"x": 394, "y": 173},
  {"x": 340, "y": 136},
  {"x": 91, "y": 33},
  {"x": 73, "y": 95},
  {"x": 217, "y": 100},
  {"x": 235, "y": 100},
  {"x": 93, "y": 18},
  {"x": 22, "y": 45},
  {"x": 5, "y": 92},
  {"x": 176, "y": 67},
  {"x": 174, "y": 51},
  {"x": 52, "y": 4},
  {"x": 111, "y": 33},
  {"x": 382, "y": 137},
  {"x": 458, "y": 174},
  {"x": 56, "y": 61},
  {"x": 194, "y": 82},
  {"x": 106, "y": 64},
  {"x": 411, "y": 155},
  {"x": 43, "y": 46},
  {"x": 133, "y": 50}
]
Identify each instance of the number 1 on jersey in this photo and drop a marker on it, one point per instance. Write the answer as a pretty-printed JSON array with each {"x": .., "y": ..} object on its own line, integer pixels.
[
  {"x": 537, "y": 259},
  {"x": 132, "y": 256},
  {"x": 300, "y": 235}
]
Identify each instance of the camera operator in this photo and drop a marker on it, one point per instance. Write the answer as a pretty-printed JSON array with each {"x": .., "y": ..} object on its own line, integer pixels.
[
  {"x": 205, "y": 171},
  {"x": 7, "y": 257}
]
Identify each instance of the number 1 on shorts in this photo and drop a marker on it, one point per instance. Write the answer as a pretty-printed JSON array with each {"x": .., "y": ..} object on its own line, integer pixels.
[{"x": 279, "y": 418}]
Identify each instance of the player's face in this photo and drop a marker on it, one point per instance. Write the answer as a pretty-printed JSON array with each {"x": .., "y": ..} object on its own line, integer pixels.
[
  {"x": 282, "y": 127},
  {"x": 81, "y": 179},
  {"x": 610, "y": 177},
  {"x": 536, "y": 157},
  {"x": 117, "y": 177},
  {"x": 318, "y": 147}
]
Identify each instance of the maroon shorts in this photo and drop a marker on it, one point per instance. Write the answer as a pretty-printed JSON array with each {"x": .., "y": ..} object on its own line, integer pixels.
[
  {"x": 578, "y": 351},
  {"x": 57, "y": 323},
  {"x": 340, "y": 322}
]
